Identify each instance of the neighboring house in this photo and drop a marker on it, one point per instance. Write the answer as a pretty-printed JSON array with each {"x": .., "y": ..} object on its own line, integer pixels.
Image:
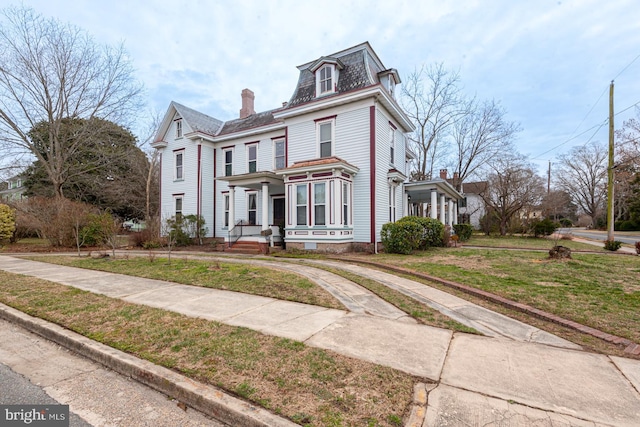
[
  {"x": 329, "y": 166},
  {"x": 471, "y": 206},
  {"x": 13, "y": 189}
]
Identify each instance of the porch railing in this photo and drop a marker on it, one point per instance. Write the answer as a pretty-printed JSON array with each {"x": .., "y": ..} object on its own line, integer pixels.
[{"x": 243, "y": 228}]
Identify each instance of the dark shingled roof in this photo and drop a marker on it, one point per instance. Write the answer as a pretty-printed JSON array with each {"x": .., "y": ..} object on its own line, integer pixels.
[
  {"x": 359, "y": 72},
  {"x": 474, "y": 187},
  {"x": 197, "y": 121},
  {"x": 253, "y": 121}
]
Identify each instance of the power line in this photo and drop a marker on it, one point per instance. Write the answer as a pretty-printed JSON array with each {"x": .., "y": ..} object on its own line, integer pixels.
[
  {"x": 625, "y": 68},
  {"x": 575, "y": 137}
]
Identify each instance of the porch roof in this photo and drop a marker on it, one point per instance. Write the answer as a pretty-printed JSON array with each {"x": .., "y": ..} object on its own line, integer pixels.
[
  {"x": 420, "y": 191},
  {"x": 253, "y": 180}
]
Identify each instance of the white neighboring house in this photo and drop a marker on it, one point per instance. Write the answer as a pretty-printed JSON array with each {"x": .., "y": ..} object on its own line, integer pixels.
[
  {"x": 472, "y": 207},
  {"x": 13, "y": 189},
  {"x": 330, "y": 165}
]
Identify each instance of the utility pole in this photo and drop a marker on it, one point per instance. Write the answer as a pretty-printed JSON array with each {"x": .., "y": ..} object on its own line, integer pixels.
[
  {"x": 610, "y": 204},
  {"x": 549, "y": 179}
]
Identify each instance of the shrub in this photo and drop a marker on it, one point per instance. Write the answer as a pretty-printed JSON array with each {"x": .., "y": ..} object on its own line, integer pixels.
[
  {"x": 463, "y": 231},
  {"x": 565, "y": 222},
  {"x": 400, "y": 238},
  {"x": 638, "y": 248},
  {"x": 626, "y": 226},
  {"x": 612, "y": 245},
  {"x": 184, "y": 230},
  {"x": 432, "y": 231},
  {"x": 7, "y": 222},
  {"x": 545, "y": 227}
]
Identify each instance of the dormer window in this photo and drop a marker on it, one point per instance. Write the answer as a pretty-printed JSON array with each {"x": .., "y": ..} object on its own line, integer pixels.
[
  {"x": 325, "y": 79},
  {"x": 391, "y": 85},
  {"x": 326, "y": 71}
]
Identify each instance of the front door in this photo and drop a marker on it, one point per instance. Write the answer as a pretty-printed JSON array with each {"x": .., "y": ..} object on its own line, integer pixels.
[{"x": 278, "y": 210}]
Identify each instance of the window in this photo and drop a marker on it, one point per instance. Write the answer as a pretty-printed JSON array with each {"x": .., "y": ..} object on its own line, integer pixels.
[
  {"x": 391, "y": 85},
  {"x": 392, "y": 143},
  {"x": 301, "y": 204},
  {"x": 392, "y": 203},
  {"x": 252, "y": 208},
  {"x": 279, "y": 154},
  {"x": 346, "y": 195},
  {"x": 228, "y": 162},
  {"x": 319, "y": 203},
  {"x": 178, "y": 203},
  {"x": 325, "y": 79},
  {"x": 252, "y": 158},
  {"x": 179, "y": 162},
  {"x": 178, "y": 128},
  {"x": 325, "y": 138},
  {"x": 226, "y": 210}
]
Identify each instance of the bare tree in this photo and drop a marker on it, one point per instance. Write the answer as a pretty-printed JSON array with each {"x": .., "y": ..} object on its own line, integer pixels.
[
  {"x": 512, "y": 185},
  {"x": 49, "y": 72},
  {"x": 627, "y": 169},
  {"x": 478, "y": 136},
  {"x": 583, "y": 174},
  {"x": 431, "y": 98}
]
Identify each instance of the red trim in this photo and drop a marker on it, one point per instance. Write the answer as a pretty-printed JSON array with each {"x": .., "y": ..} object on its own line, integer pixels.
[
  {"x": 286, "y": 147},
  {"x": 309, "y": 203},
  {"x": 326, "y": 118},
  {"x": 277, "y": 195},
  {"x": 372, "y": 171},
  {"x": 224, "y": 192},
  {"x": 178, "y": 149},
  {"x": 297, "y": 177},
  {"x": 320, "y": 174},
  {"x": 252, "y": 142},
  {"x": 159, "y": 184},
  {"x": 280, "y": 137},
  {"x": 215, "y": 167},
  {"x": 227, "y": 147},
  {"x": 177, "y": 194},
  {"x": 198, "y": 194},
  {"x": 393, "y": 126}
]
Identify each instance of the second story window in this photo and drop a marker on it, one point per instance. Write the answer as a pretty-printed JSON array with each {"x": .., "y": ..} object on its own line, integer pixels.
[
  {"x": 252, "y": 158},
  {"x": 228, "y": 162},
  {"x": 392, "y": 143},
  {"x": 179, "y": 164},
  {"x": 178, "y": 128},
  {"x": 325, "y": 138},
  {"x": 279, "y": 154}
]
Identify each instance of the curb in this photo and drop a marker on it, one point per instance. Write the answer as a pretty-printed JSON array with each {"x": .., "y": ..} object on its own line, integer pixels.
[
  {"x": 630, "y": 346},
  {"x": 202, "y": 397}
]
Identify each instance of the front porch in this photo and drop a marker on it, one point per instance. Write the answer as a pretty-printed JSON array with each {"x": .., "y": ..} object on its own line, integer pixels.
[{"x": 436, "y": 197}]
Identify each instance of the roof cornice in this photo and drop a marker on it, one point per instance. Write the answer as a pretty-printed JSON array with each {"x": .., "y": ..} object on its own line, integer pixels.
[{"x": 375, "y": 91}]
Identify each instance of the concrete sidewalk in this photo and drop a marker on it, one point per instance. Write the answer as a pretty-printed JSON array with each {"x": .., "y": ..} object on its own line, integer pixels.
[{"x": 479, "y": 380}]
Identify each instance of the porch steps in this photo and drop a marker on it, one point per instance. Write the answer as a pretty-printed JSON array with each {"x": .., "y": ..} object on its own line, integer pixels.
[{"x": 242, "y": 247}]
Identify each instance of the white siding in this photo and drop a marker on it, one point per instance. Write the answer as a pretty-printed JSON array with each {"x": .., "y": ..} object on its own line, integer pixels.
[{"x": 207, "y": 187}]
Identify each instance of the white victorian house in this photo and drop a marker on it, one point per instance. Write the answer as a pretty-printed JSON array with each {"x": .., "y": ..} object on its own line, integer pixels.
[{"x": 328, "y": 168}]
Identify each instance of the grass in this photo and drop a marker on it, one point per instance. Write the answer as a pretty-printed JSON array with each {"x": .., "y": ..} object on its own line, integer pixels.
[
  {"x": 598, "y": 290},
  {"x": 311, "y": 386},
  {"x": 527, "y": 242},
  {"x": 229, "y": 276}
]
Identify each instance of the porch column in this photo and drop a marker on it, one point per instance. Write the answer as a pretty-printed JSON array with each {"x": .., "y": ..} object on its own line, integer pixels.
[
  {"x": 265, "y": 206},
  {"x": 443, "y": 202},
  {"x": 232, "y": 206},
  {"x": 455, "y": 212},
  {"x": 434, "y": 204},
  {"x": 450, "y": 219}
]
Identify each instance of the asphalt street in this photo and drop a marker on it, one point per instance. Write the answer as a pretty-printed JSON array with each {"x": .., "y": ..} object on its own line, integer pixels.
[
  {"x": 625, "y": 237},
  {"x": 18, "y": 390}
]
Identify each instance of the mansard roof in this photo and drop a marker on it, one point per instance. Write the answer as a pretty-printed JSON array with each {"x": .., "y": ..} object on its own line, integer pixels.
[{"x": 360, "y": 69}]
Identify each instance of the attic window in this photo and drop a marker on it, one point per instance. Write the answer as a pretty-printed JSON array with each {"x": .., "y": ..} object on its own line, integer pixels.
[
  {"x": 178, "y": 128},
  {"x": 326, "y": 77}
]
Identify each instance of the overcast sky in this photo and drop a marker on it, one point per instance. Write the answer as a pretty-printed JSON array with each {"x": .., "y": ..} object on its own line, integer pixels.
[{"x": 549, "y": 63}]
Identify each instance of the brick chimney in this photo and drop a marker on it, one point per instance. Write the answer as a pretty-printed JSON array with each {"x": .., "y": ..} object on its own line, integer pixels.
[
  {"x": 443, "y": 173},
  {"x": 247, "y": 103}
]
